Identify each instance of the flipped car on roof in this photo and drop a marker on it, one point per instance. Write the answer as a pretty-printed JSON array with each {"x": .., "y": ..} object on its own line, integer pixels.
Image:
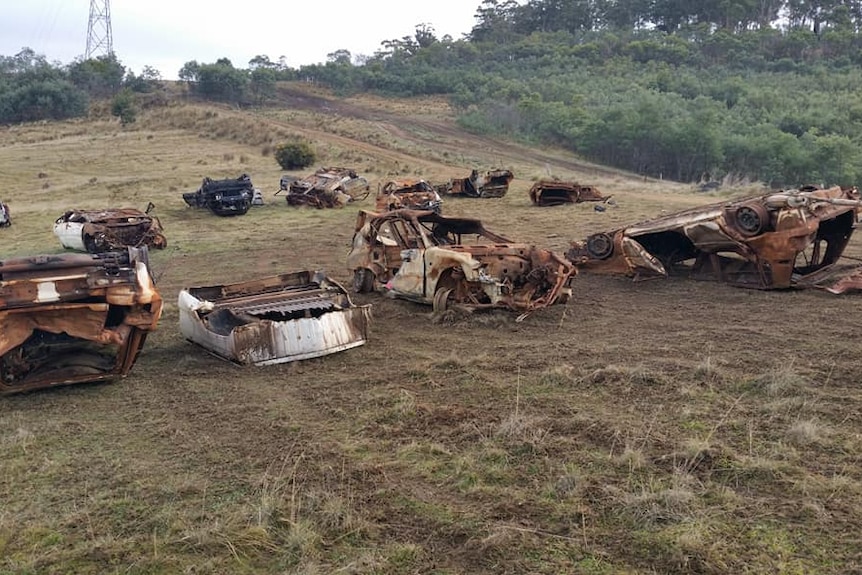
[
  {"x": 548, "y": 192},
  {"x": 73, "y": 318},
  {"x": 443, "y": 261},
  {"x": 491, "y": 184},
  {"x": 326, "y": 188},
  {"x": 411, "y": 193},
  {"x": 277, "y": 319},
  {"x": 98, "y": 231},
  {"x": 228, "y": 197},
  {"x": 772, "y": 241}
]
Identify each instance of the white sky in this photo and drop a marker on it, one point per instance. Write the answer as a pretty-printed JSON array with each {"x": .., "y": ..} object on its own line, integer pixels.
[{"x": 165, "y": 34}]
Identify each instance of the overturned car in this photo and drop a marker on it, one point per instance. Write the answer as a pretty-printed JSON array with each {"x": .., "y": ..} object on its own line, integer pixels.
[
  {"x": 98, "y": 231},
  {"x": 326, "y": 188},
  {"x": 73, "y": 318},
  {"x": 411, "y": 193},
  {"x": 772, "y": 241},
  {"x": 491, "y": 184},
  {"x": 228, "y": 197},
  {"x": 271, "y": 320},
  {"x": 446, "y": 261},
  {"x": 549, "y": 192}
]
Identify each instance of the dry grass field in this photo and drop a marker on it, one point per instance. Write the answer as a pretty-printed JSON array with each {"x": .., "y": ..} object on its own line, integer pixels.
[{"x": 659, "y": 427}]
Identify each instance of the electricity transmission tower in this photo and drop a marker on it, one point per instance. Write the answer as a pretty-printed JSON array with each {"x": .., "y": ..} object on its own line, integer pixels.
[{"x": 99, "y": 39}]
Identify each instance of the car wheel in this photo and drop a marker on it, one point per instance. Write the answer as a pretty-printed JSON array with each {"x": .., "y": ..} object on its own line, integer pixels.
[
  {"x": 751, "y": 219},
  {"x": 363, "y": 280},
  {"x": 442, "y": 300},
  {"x": 600, "y": 246}
]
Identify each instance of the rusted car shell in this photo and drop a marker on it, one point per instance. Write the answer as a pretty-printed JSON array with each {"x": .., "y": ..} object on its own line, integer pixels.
[
  {"x": 409, "y": 193},
  {"x": 770, "y": 241},
  {"x": 419, "y": 255},
  {"x": 556, "y": 192},
  {"x": 327, "y": 188},
  {"x": 491, "y": 184},
  {"x": 73, "y": 318},
  {"x": 98, "y": 231},
  {"x": 271, "y": 320}
]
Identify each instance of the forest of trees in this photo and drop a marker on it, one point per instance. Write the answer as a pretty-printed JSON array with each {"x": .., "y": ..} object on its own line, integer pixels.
[{"x": 765, "y": 90}]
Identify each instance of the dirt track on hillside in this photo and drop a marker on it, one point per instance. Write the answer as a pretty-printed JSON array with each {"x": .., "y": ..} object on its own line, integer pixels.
[{"x": 668, "y": 426}]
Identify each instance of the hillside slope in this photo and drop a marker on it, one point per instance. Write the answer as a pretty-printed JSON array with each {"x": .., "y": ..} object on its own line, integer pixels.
[{"x": 659, "y": 427}]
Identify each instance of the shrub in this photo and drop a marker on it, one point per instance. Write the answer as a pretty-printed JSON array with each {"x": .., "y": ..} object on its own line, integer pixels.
[{"x": 293, "y": 155}]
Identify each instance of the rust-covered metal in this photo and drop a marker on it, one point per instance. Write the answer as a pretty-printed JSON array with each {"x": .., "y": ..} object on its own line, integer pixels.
[
  {"x": 98, "y": 231},
  {"x": 778, "y": 240},
  {"x": 410, "y": 193},
  {"x": 444, "y": 261},
  {"x": 73, "y": 318},
  {"x": 549, "y": 192},
  {"x": 276, "y": 319},
  {"x": 490, "y": 184},
  {"x": 326, "y": 188}
]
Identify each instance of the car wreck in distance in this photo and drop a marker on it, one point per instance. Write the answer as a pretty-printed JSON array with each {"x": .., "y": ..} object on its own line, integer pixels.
[
  {"x": 446, "y": 261},
  {"x": 550, "y": 192},
  {"x": 491, "y": 184},
  {"x": 5, "y": 217},
  {"x": 772, "y": 241},
  {"x": 410, "y": 193},
  {"x": 97, "y": 231},
  {"x": 74, "y": 318},
  {"x": 227, "y": 197},
  {"x": 326, "y": 188},
  {"x": 271, "y": 320}
]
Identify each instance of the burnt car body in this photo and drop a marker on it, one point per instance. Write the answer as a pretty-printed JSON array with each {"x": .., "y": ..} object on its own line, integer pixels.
[
  {"x": 444, "y": 261},
  {"x": 491, "y": 184},
  {"x": 73, "y": 318},
  {"x": 5, "y": 217},
  {"x": 282, "y": 318},
  {"x": 326, "y": 188},
  {"x": 227, "y": 197},
  {"x": 98, "y": 231},
  {"x": 556, "y": 192},
  {"x": 771, "y": 241},
  {"x": 409, "y": 193}
]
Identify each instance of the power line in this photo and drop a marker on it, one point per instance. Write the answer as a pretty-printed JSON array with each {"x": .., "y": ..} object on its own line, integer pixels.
[{"x": 100, "y": 41}]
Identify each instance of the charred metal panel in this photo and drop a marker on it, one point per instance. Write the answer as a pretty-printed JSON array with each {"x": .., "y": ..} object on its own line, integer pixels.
[
  {"x": 429, "y": 258},
  {"x": 556, "y": 192},
  {"x": 491, "y": 184},
  {"x": 410, "y": 194},
  {"x": 771, "y": 241},
  {"x": 326, "y": 188},
  {"x": 97, "y": 231},
  {"x": 73, "y": 318},
  {"x": 272, "y": 320},
  {"x": 228, "y": 197}
]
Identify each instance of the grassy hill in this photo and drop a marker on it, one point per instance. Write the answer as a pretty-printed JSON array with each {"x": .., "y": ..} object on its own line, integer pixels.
[{"x": 661, "y": 427}]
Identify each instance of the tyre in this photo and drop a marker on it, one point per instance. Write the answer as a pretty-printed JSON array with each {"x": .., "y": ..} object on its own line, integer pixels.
[
  {"x": 442, "y": 300},
  {"x": 600, "y": 246},
  {"x": 363, "y": 280},
  {"x": 751, "y": 219}
]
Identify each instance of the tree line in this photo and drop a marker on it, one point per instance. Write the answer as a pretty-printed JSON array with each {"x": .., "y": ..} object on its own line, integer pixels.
[{"x": 765, "y": 90}]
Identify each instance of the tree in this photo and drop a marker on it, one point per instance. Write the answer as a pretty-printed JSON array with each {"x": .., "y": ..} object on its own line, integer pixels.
[
  {"x": 262, "y": 84},
  {"x": 123, "y": 106},
  {"x": 294, "y": 155},
  {"x": 100, "y": 77},
  {"x": 221, "y": 81}
]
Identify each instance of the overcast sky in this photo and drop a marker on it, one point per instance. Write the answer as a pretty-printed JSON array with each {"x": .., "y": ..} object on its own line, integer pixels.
[{"x": 165, "y": 34}]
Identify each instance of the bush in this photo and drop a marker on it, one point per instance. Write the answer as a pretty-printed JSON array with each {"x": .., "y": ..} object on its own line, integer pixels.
[{"x": 294, "y": 155}]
